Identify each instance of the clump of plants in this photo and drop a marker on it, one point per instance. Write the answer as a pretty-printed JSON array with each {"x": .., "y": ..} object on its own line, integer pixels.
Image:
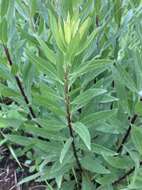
[{"x": 70, "y": 92}]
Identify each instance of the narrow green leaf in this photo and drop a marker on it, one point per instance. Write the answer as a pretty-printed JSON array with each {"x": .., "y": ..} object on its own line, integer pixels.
[
  {"x": 99, "y": 149},
  {"x": 4, "y": 7},
  {"x": 55, "y": 31},
  {"x": 89, "y": 66},
  {"x": 17, "y": 139},
  {"x": 108, "y": 98},
  {"x": 9, "y": 122},
  {"x": 43, "y": 132},
  {"x": 14, "y": 155},
  {"x": 83, "y": 132},
  {"x": 29, "y": 178},
  {"x": 8, "y": 92},
  {"x": 136, "y": 135},
  {"x": 138, "y": 108},
  {"x": 125, "y": 78},
  {"x": 98, "y": 116},
  {"x": 33, "y": 7},
  {"x": 119, "y": 162},
  {"x": 51, "y": 124},
  {"x": 3, "y": 31},
  {"x": 47, "y": 51},
  {"x": 86, "y": 183},
  {"x": 43, "y": 65},
  {"x": 51, "y": 105},
  {"x": 117, "y": 11},
  {"x": 82, "y": 99},
  {"x": 46, "y": 66},
  {"x": 65, "y": 149},
  {"x": 93, "y": 165},
  {"x": 84, "y": 45}
]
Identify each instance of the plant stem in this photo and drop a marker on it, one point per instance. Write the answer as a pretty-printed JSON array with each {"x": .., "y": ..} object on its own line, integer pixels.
[
  {"x": 120, "y": 149},
  {"x": 124, "y": 139},
  {"x": 19, "y": 84},
  {"x": 129, "y": 172},
  {"x": 69, "y": 121}
]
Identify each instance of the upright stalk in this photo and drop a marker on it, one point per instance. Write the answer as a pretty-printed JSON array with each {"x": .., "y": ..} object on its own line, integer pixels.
[
  {"x": 126, "y": 135},
  {"x": 19, "y": 84},
  {"x": 69, "y": 120}
]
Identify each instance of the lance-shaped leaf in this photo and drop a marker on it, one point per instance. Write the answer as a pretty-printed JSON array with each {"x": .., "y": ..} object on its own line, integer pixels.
[
  {"x": 65, "y": 149},
  {"x": 125, "y": 78},
  {"x": 120, "y": 162},
  {"x": 89, "y": 66},
  {"x": 3, "y": 30},
  {"x": 86, "y": 183},
  {"x": 98, "y": 116},
  {"x": 82, "y": 99},
  {"x": 49, "y": 53},
  {"x": 136, "y": 136},
  {"x": 43, "y": 132},
  {"x": 99, "y": 149},
  {"x": 57, "y": 30},
  {"x": 93, "y": 165},
  {"x": 83, "y": 132},
  {"x": 51, "y": 124},
  {"x": 43, "y": 65},
  {"x": 4, "y": 7}
]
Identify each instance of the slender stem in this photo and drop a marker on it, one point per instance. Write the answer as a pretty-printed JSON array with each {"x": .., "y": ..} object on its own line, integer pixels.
[
  {"x": 123, "y": 177},
  {"x": 97, "y": 21},
  {"x": 69, "y": 121},
  {"x": 124, "y": 139},
  {"x": 19, "y": 83},
  {"x": 131, "y": 170}
]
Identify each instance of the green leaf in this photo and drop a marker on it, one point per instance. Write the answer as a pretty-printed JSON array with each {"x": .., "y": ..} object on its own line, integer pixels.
[
  {"x": 9, "y": 122},
  {"x": 55, "y": 31},
  {"x": 65, "y": 149},
  {"x": 119, "y": 162},
  {"x": 118, "y": 11},
  {"x": 88, "y": 66},
  {"x": 69, "y": 185},
  {"x": 93, "y": 165},
  {"x": 5, "y": 72},
  {"x": 3, "y": 31},
  {"x": 29, "y": 178},
  {"x": 21, "y": 140},
  {"x": 47, "y": 51},
  {"x": 8, "y": 92},
  {"x": 136, "y": 135},
  {"x": 99, "y": 149},
  {"x": 82, "y": 99},
  {"x": 51, "y": 124},
  {"x": 98, "y": 116},
  {"x": 33, "y": 7},
  {"x": 138, "y": 108},
  {"x": 83, "y": 132},
  {"x": 106, "y": 179},
  {"x": 43, "y": 65},
  {"x": 86, "y": 183},
  {"x": 107, "y": 99},
  {"x": 14, "y": 155},
  {"x": 4, "y": 7},
  {"x": 124, "y": 77},
  {"x": 51, "y": 105},
  {"x": 43, "y": 132},
  {"x": 84, "y": 45}
]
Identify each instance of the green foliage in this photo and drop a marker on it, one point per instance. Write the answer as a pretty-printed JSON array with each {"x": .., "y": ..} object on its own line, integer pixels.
[{"x": 72, "y": 73}]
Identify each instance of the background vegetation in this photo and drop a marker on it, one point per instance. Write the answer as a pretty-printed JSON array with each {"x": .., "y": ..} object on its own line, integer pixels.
[{"x": 70, "y": 93}]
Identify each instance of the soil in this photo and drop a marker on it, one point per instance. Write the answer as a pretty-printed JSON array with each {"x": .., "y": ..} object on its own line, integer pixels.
[{"x": 10, "y": 174}]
